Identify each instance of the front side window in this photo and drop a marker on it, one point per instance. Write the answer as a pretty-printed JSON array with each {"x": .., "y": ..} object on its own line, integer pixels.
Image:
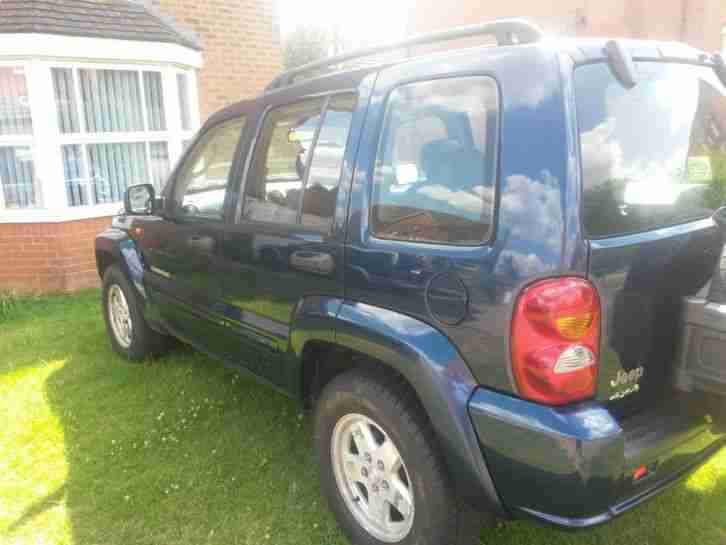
[
  {"x": 435, "y": 170},
  {"x": 653, "y": 155},
  {"x": 202, "y": 185}
]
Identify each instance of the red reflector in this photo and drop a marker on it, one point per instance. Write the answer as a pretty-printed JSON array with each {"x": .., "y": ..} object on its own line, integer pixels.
[
  {"x": 639, "y": 473},
  {"x": 556, "y": 341}
]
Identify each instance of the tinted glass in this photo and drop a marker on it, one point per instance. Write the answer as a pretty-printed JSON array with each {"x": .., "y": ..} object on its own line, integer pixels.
[
  {"x": 202, "y": 184},
  {"x": 274, "y": 185},
  {"x": 434, "y": 178},
  {"x": 321, "y": 189},
  {"x": 652, "y": 156}
]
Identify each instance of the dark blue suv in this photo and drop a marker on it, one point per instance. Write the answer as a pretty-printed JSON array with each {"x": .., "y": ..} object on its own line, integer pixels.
[{"x": 474, "y": 265}]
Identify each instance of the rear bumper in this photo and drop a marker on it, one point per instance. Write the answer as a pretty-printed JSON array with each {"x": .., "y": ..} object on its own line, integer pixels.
[{"x": 573, "y": 466}]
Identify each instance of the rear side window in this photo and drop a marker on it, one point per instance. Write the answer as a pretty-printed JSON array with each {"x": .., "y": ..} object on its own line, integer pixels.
[
  {"x": 436, "y": 164},
  {"x": 653, "y": 155}
]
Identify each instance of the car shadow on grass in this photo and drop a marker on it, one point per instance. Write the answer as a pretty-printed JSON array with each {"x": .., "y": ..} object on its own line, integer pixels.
[{"x": 182, "y": 450}]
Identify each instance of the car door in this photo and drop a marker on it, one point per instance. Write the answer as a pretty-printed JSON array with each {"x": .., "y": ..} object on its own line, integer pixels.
[
  {"x": 652, "y": 165},
  {"x": 286, "y": 243},
  {"x": 182, "y": 248}
]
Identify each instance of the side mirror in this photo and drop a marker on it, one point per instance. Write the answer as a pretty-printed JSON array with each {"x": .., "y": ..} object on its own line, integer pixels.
[{"x": 140, "y": 200}]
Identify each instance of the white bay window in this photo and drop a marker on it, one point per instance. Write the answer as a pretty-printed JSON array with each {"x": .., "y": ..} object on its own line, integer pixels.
[
  {"x": 113, "y": 130},
  {"x": 74, "y": 135}
]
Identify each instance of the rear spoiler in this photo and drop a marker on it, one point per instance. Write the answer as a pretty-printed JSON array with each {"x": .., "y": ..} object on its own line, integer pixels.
[
  {"x": 621, "y": 63},
  {"x": 720, "y": 67}
]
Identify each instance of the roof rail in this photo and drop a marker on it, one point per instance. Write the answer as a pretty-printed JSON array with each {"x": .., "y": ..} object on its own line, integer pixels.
[{"x": 506, "y": 32}]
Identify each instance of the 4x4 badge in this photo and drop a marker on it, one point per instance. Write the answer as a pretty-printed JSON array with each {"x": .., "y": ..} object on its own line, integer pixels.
[{"x": 626, "y": 378}]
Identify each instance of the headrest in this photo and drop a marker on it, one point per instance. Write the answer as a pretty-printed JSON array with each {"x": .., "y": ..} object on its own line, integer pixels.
[{"x": 449, "y": 163}]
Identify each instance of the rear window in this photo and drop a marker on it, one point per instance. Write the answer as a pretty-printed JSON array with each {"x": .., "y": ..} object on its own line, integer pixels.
[{"x": 654, "y": 155}]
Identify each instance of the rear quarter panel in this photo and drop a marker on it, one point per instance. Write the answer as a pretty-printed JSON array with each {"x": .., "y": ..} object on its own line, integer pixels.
[{"x": 536, "y": 232}]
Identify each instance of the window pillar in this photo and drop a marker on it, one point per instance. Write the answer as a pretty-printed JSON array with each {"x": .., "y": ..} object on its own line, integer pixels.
[
  {"x": 173, "y": 113},
  {"x": 194, "y": 99},
  {"x": 46, "y": 146}
]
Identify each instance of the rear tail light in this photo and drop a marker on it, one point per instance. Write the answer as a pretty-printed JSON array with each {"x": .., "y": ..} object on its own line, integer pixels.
[{"x": 556, "y": 341}]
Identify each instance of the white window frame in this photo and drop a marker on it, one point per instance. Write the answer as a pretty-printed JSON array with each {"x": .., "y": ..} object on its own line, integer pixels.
[
  {"x": 46, "y": 141},
  {"x": 172, "y": 136},
  {"x": 22, "y": 140}
]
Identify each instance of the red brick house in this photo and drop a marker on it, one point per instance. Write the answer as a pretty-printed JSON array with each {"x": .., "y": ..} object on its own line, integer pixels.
[
  {"x": 96, "y": 95},
  {"x": 697, "y": 22}
]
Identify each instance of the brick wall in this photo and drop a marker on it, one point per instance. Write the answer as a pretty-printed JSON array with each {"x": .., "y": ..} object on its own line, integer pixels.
[
  {"x": 697, "y": 22},
  {"x": 241, "y": 46},
  {"x": 49, "y": 257}
]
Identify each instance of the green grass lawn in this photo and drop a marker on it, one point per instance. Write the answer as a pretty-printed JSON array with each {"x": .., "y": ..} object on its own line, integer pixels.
[{"x": 180, "y": 451}]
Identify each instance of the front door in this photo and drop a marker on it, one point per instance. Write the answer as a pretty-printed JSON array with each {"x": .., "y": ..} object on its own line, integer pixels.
[
  {"x": 287, "y": 241},
  {"x": 182, "y": 249}
]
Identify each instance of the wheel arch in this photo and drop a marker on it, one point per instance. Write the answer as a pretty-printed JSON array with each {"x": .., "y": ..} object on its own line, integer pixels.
[
  {"x": 116, "y": 247},
  {"x": 341, "y": 335}
]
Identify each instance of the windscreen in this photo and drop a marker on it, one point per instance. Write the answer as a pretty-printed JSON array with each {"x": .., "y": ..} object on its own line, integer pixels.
[{"x": 654, "y": 155}]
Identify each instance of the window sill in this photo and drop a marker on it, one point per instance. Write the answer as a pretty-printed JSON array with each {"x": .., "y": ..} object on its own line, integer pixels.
[{"x": 41, "y": 215}]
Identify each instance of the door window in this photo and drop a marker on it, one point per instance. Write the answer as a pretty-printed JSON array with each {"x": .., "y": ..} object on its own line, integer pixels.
[
  {"x": 202, "y": 185},
  {"x": 321, "y": 189},
  {"x": 435, "y": 170},
  {"x": 290, "y": 182}
]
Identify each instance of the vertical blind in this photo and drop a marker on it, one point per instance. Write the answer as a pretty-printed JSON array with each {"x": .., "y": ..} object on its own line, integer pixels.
[
  {"x": 154, "y": 101},
  {"x": 90, "y": 101},
  {"x": 159, "y": 154},
  {"x": 17, "y": 176},
  {"x": 182, "y": 84},
  {"x": 14, "y": 105},
  {"x": 78, "y": 186},
  {"x": 114, "y": 167},
  {"x": 111, "y": 100},
  {"x": 65, "y": 100}
]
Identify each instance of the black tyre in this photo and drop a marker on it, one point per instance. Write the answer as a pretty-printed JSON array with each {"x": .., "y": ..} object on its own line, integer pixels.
[
  {"x": 130, "y": 335},
  {"x": 380, "y": 467}
]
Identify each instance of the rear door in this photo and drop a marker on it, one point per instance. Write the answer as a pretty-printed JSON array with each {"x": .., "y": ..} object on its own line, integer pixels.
[
  {"x": 654, "y": 171},
  {"x": 287, "y": 241}
]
